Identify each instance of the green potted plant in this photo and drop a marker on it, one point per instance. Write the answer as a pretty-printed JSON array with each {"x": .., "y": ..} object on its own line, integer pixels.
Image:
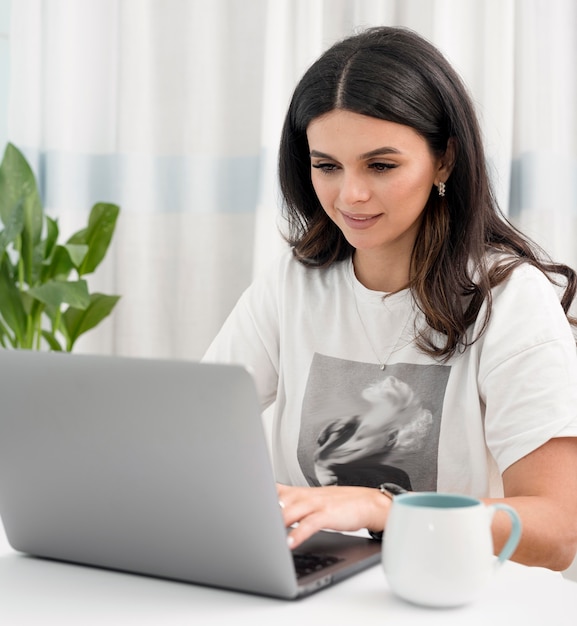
[{"x": 45, "y": 302}]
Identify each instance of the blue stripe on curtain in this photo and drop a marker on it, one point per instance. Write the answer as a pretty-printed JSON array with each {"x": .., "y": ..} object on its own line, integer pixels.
[
  {"x": 148, "y": 184},
  {"x": 545, "y": 182}
]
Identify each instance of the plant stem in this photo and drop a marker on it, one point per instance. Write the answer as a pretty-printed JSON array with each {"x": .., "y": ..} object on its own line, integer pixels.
[
  {"x": 28, "y": 338},
  {"x": 56, "y": 324},
  {"x": 34, "y": 326},
  {"x": 38, "y": 330}
]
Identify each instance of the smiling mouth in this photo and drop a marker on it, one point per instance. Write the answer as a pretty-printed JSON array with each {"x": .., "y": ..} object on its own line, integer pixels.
[{"x": 360, "y": 221}]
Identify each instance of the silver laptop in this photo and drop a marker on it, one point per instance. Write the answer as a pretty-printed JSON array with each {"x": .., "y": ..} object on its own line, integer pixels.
[{"x": 152, "y": 466}]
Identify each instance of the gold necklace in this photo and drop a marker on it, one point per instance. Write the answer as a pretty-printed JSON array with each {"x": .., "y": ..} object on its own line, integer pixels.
[{"x": 382, "y": 362}]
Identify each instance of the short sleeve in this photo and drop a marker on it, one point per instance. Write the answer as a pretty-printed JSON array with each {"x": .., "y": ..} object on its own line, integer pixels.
[{"x": 528, "y": 368}]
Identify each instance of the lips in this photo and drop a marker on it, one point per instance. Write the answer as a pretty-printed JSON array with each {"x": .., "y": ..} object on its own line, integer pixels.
[{"x": 360, "y": 221}]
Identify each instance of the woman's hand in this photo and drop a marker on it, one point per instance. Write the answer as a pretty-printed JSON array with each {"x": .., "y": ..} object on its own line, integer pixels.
[{"x": 334, "y": 508}]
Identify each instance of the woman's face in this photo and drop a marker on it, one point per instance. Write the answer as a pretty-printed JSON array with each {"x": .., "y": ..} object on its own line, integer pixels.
[{"x": 372, "y": 178}]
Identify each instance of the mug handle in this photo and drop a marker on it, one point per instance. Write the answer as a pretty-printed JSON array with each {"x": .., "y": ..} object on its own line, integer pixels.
[{"x": 515, "y": 535}]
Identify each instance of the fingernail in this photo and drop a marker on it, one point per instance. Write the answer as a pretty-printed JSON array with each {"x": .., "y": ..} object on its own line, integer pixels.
[{"x": 290, "y": 541}]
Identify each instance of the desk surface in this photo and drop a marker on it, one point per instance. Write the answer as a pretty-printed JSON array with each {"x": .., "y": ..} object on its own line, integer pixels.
[{"x": 35, "y": 591}]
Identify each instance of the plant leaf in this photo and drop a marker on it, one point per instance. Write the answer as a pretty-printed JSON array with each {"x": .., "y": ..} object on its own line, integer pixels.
[
  {"x": 11, "y": 307},
  {"x": 34, "y": 264},
  {"x": 56, "y": 292},
  {"x": 64, "y": 260},
  {"x": 52, "y": 233},
  {"x": 18, "y": 185},
  {"x": 77, "y": 322},
  {"x": 77, "y": 253},
  {"x": 96, "y": 235},
  {"x": 5, "y": 336},
  {"x": 60, "y": 265},
  {"x": 12, "y": 226},
  {"x": 16, "y": 181}
]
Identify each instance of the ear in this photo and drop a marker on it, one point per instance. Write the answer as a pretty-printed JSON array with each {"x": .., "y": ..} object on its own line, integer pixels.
[{"x": 447, "y": 161}]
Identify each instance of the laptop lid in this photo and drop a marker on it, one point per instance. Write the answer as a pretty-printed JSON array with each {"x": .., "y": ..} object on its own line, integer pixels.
[{"x": 151, "y": 466}]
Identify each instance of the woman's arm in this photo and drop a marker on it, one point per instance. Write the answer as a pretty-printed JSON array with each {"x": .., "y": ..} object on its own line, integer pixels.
[{"x": 542, "y": 487}]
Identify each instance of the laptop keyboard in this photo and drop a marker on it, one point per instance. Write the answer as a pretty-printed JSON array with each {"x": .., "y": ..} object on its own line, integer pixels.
[{"x": 309, "y": 563}]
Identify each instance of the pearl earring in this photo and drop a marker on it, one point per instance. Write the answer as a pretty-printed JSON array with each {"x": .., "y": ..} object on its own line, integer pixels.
[{"x": 441, "y": 187}]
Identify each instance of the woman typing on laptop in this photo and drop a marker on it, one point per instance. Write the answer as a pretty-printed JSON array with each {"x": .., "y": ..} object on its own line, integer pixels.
[{"x": 411, "y": 338}]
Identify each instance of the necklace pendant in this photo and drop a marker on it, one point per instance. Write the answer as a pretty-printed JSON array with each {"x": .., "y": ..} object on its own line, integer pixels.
[{"x": 382, "y": 367}]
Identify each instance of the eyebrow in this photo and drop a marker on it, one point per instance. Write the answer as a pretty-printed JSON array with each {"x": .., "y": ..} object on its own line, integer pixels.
[{"x": 366, "y": 155}]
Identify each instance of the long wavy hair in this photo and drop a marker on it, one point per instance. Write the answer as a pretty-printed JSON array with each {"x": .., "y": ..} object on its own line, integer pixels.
[{"x": 394, "y": 74}]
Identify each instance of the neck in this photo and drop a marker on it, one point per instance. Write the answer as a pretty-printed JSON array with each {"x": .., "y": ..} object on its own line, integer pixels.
[{"x": 380, "y": 272}]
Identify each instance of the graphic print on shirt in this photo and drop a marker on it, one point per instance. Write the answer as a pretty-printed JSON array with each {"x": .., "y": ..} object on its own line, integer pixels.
[{"x": 364, "y": 426}]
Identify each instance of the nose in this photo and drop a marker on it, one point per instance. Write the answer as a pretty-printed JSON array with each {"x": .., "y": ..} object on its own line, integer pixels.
[{"x": 354, "y": 189}]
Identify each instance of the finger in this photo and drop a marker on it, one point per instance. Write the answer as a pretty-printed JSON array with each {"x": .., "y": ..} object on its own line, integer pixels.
[
  {"x": 294, "y": 502},
  {"x": 304, "y": 530},
  {"x": 284, "y": 490},
  {"x": 300, "y": 504},
  {"x": 283, "y": 493}
]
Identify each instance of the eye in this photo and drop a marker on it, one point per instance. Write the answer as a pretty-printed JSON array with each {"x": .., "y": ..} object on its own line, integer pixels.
[
  {"x": 382, "y": 167},
  {"x": 326, "y": 168}
]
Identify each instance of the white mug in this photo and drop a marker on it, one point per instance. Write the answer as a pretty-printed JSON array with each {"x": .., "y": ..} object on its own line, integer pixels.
[{"x": 438, "y": 548}]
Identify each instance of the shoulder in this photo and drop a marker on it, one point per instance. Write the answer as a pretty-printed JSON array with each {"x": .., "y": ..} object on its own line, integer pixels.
[
  {"x": 526, "y": 315},
  {"x": 528, "y": 291}
]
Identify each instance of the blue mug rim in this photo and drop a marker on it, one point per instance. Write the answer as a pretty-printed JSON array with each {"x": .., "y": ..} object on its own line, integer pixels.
[{"x": 437, "y": 500}]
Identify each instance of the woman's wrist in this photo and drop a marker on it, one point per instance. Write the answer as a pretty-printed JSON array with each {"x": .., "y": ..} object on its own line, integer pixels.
[{"x": 389, "y": 490}]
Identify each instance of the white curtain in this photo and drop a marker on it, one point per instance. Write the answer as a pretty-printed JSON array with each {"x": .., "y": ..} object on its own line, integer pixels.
[{"x": 173, "y": 109}]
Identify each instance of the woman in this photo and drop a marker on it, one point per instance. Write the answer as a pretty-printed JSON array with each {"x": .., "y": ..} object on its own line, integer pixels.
[{"x": 410, "y": 335}]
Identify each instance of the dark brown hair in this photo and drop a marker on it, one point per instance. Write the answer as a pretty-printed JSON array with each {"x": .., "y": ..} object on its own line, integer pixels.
[{"x": 394, "y": 74}]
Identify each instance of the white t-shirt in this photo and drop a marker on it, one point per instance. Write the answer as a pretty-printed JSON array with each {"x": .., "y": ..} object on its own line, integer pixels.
[{"x": 314, "y": 340}]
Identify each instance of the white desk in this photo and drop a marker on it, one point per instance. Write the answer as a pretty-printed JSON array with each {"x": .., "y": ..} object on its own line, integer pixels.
[{"x": 34, "y": 591}]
